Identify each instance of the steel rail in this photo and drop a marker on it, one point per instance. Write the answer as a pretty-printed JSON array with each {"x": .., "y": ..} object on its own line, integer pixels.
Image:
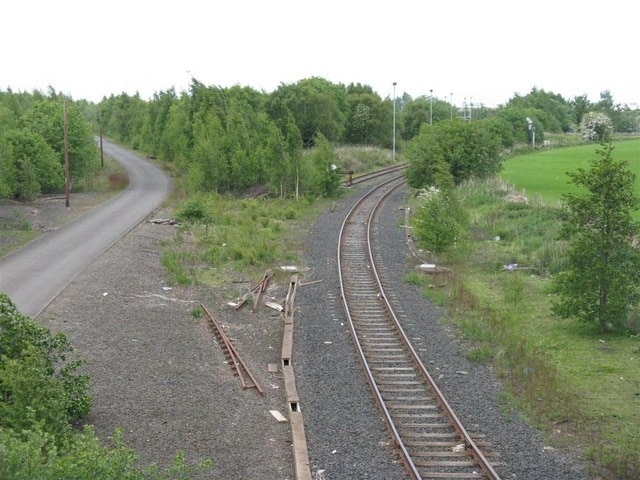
[
  {"x": 378, "y": 173},
  {"x": 470, "y": 446},
  {"x": 237, "y": 362}
]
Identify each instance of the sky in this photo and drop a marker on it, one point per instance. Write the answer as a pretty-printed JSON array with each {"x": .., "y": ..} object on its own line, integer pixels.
[{"x": 481, "y": 52}]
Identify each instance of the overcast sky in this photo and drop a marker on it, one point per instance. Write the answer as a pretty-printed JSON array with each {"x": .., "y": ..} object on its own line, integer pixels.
[{"x": 484, "y": 51}]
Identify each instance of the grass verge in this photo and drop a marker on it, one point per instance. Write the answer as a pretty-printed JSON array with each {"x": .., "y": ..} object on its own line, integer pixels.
[{"x": 579, "y": 386}]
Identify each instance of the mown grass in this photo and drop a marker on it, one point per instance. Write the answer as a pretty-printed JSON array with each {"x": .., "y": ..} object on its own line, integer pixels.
[
  {"x": 543, "y": 173},
  {"x": 580, "y": 386}
]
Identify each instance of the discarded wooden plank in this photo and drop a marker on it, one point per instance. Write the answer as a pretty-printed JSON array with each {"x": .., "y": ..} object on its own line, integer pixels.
[{"x": 278, "y": 416}]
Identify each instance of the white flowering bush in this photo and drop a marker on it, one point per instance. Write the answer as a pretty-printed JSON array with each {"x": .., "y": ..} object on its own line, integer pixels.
[{"x": 595, "y": 126}]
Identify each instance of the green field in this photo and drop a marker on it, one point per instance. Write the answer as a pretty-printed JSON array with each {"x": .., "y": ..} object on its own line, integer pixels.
[{"x": 544, "y": 173}]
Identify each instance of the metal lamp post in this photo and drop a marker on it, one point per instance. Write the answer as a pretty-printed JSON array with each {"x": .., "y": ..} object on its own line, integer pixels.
[
  {"x": 393, "y": 155},
  {"x": 451, "y": 102},
  {"x": 532, "y": 129},
  {"x": 431, "y": 107}
]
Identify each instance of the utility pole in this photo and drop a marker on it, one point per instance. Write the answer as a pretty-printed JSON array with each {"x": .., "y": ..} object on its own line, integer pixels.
[
  {"x": 451, "y": 102},
  {"x": 431, "y": 107},
  {"x": 101, "y": 151},
  {"x": 394, "y": 124},
  {"x": 67, "y": 175}
]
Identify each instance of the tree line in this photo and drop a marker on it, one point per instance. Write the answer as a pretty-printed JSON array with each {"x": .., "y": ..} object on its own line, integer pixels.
[
  {"x": 229, "y": 139},
  {"x": 32, "y": 143}
]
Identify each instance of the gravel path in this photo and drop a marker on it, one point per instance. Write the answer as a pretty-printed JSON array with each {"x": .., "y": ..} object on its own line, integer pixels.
[{"x": 158, "y": 373}]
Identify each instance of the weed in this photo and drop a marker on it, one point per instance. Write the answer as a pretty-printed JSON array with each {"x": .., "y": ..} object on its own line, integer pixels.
[
  {"x": 554, "y": 370},
  {"x": 196, "y": 312}
]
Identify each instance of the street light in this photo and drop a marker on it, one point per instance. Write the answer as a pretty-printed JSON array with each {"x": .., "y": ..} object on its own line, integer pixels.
[
  {"x": 393, "y": 155},
  {"x": 451, "y": 102},
  {"x": 470, "y": 107},
  {"x": 431, "y": 107},
  {"x": 532, "y": 129}
]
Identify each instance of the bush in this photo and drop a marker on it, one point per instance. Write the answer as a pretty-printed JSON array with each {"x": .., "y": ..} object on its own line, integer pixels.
[{"x": 37, "y": 384}]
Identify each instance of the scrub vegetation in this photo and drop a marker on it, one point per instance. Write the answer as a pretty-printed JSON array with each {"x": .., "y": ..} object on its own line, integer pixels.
[
  {"x": 574, "y": 379},
  {"x": 252, "y": 168}
]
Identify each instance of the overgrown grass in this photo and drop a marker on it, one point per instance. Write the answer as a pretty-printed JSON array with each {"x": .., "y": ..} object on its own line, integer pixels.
[
  {"x": 579, "y": 385},
  {"x": 223, "y": 236},
  {"x": 110, "y": 178},
  {"x": 228, "y": 235},
  {"x": 361, "y": 159},
  {"x": 15, "y": 230}
]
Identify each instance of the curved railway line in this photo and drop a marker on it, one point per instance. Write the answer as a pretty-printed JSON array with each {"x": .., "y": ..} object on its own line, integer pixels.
[{"x": 427, "y": 434}]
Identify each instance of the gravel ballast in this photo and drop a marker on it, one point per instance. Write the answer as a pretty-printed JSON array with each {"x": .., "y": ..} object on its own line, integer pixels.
[
  {"x": 158, "y": 373},
  {"x": 346, "y": 435}
]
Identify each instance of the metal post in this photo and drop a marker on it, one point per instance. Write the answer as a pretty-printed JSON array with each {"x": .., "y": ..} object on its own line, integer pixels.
[
  {"x": 431, "y": 106},
  {"x": 394, "y": 123},
  {"x": 451, "y": 102},
  {"x": 67, "y": 175}
]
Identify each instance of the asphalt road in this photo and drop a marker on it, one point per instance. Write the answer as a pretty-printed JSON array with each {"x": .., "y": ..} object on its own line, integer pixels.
[{"x": 33, "y": 275}]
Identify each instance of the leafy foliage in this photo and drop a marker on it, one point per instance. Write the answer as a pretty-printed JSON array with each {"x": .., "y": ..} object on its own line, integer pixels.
[
  {"x": 602, "y": 280},
  {"x": 32, "y": 144},
  {"x": 469, "y": 148},
  {"x": 41, "y": 394},
  {"x": 37, "y": 384}
]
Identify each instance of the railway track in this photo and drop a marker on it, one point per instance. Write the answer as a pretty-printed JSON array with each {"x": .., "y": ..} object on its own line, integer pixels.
[
  {"x": 429, "y": 438},
  {"x": 371, "y": 175}
]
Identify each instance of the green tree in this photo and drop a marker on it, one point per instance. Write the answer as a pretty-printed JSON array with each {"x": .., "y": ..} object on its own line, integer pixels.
[
  {"x": 31, "y": 151},
  {"x": 46, "y": 119},
  {"x": 602, "y": 280},
  {"x": 440, "y": 222},
  {"x": 293, "y": 152},
  {"x": 325, "y": 176},
  {"x": 7, "y": 169},
  {"x": 471, "y": 149},
  {"x": 316, "y": 104}
]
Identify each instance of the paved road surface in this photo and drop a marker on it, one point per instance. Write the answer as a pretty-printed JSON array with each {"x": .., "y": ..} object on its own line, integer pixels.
[{"x": 35, "y": 274}]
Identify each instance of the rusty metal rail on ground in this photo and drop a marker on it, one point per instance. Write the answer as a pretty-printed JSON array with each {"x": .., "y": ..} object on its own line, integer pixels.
[{"x": 246, "y": 377}]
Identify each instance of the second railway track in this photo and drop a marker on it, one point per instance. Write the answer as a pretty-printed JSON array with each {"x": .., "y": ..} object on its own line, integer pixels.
[{"x": 430, "y": 439}]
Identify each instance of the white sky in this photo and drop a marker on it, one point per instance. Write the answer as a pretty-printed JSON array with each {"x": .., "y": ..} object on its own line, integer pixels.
[{"x": 483, "y": 50}]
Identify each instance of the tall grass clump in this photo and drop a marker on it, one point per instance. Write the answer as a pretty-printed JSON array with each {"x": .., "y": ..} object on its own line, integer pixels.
[{"x": 362, "y": 159}]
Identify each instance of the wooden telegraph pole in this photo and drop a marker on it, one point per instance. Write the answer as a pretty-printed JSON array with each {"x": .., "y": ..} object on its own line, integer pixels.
[
  {"x": 67, "y": 175},
  {"x": 101, "y": 151}
]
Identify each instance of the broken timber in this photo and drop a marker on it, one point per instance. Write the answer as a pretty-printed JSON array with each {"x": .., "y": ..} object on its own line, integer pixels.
[
  {"x": 246, "y": 377},
  {"x": 257, "y": 291}
]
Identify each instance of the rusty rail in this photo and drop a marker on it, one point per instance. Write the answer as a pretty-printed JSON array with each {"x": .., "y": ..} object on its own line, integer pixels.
[
  {"x": 430, "y": 438},
  {"x": 371, "y": 175},
  {"x": 246, "y": 377}
]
